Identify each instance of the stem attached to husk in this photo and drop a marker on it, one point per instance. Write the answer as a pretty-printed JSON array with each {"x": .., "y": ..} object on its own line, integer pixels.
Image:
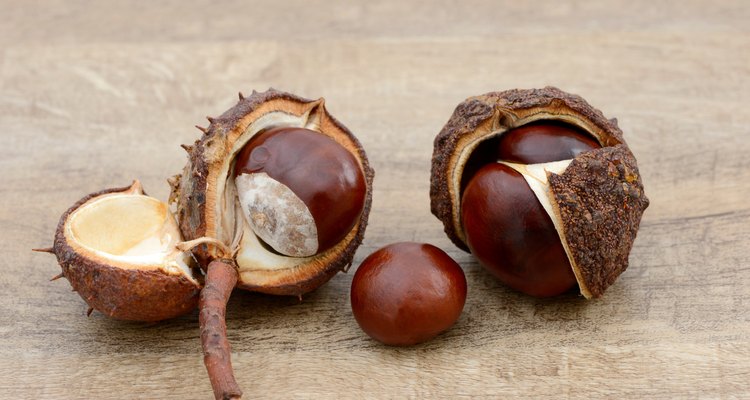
[{"x": 221, "y": 278}]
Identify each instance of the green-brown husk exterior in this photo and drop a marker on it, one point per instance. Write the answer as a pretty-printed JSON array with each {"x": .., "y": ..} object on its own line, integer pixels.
[
  {"x": 126, "y": 294},
  {"x": 599, "y": 197},
  {"x": 192, "y": 193}
]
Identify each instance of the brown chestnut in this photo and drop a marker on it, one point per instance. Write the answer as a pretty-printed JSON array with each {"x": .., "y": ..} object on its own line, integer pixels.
[
  {"x": 506, "y": 227},
  {"x": 301, "y": 191},
  {"x": 543, "y": 141},
  {"x": 511, "y": 235},
  {"x": 407, "y": 293}
]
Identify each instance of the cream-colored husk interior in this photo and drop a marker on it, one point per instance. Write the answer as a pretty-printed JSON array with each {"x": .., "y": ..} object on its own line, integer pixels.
[
  {"x": 128, "y": 230},
  {"x": 251, "y": 254}
]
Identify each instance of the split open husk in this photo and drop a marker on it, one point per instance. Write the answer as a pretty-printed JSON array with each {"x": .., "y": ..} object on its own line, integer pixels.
[
  {"x": 117, "y": 247},
  {"x": 207, "y": 205},
  {"x": 594, "y": 200}
]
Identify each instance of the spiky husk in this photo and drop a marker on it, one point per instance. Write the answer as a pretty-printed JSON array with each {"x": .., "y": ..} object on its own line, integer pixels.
[
  {"x": 195, "y": 192},
  {"x": 599, "y": 197},
  {"x": 126, "y": 294}
]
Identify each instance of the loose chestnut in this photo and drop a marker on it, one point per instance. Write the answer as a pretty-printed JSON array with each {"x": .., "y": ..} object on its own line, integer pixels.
[
  {"x": 541, "y": 188},
  {"x": 407, "y": 293},
  {"x": 300, "y": 191}
]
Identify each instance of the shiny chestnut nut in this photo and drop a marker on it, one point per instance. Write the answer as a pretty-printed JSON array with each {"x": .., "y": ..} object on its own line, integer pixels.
[
  {"x": 543, "y": 141},
  {"x": 407, "y": 293},
  {"x": 300, "y": 191},
  {"x": 506, "y": 227},
  {"x": 541, "y": 188}
]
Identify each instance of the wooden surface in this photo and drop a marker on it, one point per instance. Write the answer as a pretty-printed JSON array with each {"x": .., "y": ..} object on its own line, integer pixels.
[{"x": 93, "y": 95}]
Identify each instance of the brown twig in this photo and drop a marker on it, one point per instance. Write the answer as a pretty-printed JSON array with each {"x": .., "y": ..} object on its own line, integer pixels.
[{"x": 221, "y": 278}]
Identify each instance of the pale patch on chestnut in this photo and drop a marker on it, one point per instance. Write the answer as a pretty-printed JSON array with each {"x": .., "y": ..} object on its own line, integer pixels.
[{"x": 277, "y": 215}]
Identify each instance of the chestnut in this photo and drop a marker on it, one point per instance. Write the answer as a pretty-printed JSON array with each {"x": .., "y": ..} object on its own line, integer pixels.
[
  {"x": 407, "y": 293},
  {"x": 541, "y": 187},
  {"x": 301, "y": 192},
  {"x": 506, "y": 227},
  {"x": 544, "y": 141}
]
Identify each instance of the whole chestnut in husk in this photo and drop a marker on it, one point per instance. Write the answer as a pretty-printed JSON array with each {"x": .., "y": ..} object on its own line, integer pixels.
[
  {"x": 275, "y": 197},
  {"x": 541, "y": 188},
  {"x": 407, "y": 293},
  {"x": 269, "y": 179}
]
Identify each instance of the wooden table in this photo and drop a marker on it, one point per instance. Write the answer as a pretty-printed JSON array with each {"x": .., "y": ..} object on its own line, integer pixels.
[{"x": 93, "y": 95}]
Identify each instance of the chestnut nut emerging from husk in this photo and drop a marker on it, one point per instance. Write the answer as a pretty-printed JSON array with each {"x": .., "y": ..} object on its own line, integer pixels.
[
  {"x": 541, "y": 188},
  {"x": 302, "y": 148}
]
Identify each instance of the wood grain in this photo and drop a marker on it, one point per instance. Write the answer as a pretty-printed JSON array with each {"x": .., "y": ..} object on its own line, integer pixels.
[{"x": 93, "y": 95}]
